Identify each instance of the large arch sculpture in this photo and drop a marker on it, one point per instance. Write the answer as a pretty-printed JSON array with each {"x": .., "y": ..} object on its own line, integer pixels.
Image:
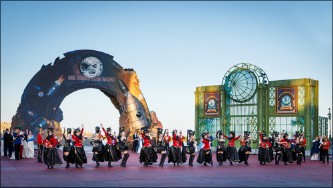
[{"x": 81, "y": 69}]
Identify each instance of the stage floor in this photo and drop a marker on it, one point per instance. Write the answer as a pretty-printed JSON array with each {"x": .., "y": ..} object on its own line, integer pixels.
[{"x": 29, "y": 173}]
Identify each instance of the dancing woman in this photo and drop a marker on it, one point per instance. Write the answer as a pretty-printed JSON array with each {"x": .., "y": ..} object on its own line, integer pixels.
[
  {"x": 191, "y": 146},
  {"x": 80, "y": 155},
  {"x": 232, "y": 154},
  {"x": 51, "y": 156},
  {"x": 147, "y": 156},
  {"x": 161, "y": 146},
  {"x": 68, "y": 149},
  {"x": 220, "y": 150},
  {"x": 98, "y": 147},
  {"x": 175, "y": 153},
  {"x": 123, "y": 147},
  {"x": 245, "y": 149},
  {"x": 286, "y": 144},
  {"x": 183, "y": 157},
  {"x": 277, "y": 148},
  {"x": 205, "y": 153},
  {"x": 111, "y": 153},
  {"x": 264, "y": 145},
  {"x": 302, "y": 141},
  {"x": 298, "y": 151}
]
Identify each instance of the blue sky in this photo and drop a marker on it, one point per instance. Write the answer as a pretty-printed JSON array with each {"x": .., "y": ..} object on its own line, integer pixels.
[{"x": 173, "y": 46}]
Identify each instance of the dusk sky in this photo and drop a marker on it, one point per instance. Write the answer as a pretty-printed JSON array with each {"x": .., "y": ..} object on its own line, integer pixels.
[{"x": 173, "y": 46}]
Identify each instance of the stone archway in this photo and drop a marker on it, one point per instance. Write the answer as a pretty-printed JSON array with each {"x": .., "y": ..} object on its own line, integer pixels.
[{"x": 81, "y": 69}]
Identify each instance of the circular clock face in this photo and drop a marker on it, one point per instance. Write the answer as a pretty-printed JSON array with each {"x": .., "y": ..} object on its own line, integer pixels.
[
  {"x": 91, "y": 67},
  {"x": 241, "y": 85},
  {"x": 286, "y": 100},
  {"x": 211, "y": 104}
]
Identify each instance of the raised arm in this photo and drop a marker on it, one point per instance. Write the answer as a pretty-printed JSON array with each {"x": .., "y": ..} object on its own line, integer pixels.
[
  {"x": 236, "y": 138},
  {"x": 82, "y": 130}
]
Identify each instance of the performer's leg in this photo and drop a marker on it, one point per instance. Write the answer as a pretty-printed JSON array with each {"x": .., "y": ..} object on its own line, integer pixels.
[
  {"x": 164, "y": 155},
  {"x": 123, "y": 162},
  {"x": 246, "y": 158},
  {"x": 191, "y": 159},
  {"x": 96, "y": 159}
]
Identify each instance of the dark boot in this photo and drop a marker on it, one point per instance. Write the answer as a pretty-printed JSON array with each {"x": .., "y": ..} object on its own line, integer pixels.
[
  {"x": 123, "y": 162},
  {"x": 231, "y": 164},
  {"x": 76, "y": 165},
  {"x": 40, "y": 159},
  {"x": 276, "y": 159},
  {"x": 67, "y": 166},
  {"x": 246, "y": 159},
  {"x": 109, "y": 164},
  {"x": 191, "y": 160},
  {"x": 163, "y": 159},
  {"x": 205, "y": 163},
  {"x": 211, "y": 160}
]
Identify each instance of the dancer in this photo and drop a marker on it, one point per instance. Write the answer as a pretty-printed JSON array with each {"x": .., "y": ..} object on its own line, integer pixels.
[
  {"x": 205, "y": 153},
  {"x": 147, "y": 156},
  {"x": 245, "y": 149},
  {"x": 68, "y": 150},
  {"x": 80, "y": 155},
  {"x": 183, "y": 157},
  {"x": 167, "y": 140},
  {"x": 123, "y": 146},
  {"x": 277, "y": 148},
  {"x": 40, "y": 143},
  {"x": 161, "y": 147},
  {"x": 285, "y": 142},
  {"x": 232, "y": 154},
  {"x": 220, "y": 150},
  {"x": 264, "y": 145},
  {"x": 51, "y": 156},
  {"x": 174, "y": 154},
  {"x": 98, "y": 147},
  {"x": 325, "y": 147},
  {"x": 190, "y": 146},
  {"x": 298, "y": 151},
  {"x": 111, "y": 153},
  {"x": 302, "y": 141}
]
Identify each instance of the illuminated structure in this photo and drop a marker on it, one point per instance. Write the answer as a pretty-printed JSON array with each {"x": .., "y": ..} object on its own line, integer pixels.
[{"x": 248, "y": 101}]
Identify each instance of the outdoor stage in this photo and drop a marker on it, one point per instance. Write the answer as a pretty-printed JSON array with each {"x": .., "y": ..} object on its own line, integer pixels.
[{"x": 29, "y": 173}]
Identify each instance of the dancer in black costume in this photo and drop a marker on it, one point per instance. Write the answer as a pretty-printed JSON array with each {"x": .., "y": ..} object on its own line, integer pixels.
[
  {"x": 245, "y": 149},
  {"x": 190, "y": 149},
  {"x": 68, "y": 149},
  {"x": 123, "y": 146},
  {"x": 98, "y": 147}
]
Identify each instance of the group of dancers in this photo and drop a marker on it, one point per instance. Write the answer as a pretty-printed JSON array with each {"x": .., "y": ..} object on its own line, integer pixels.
[
  {"x": 173, "y": 147},
  {"x": 73, "y": 149}
]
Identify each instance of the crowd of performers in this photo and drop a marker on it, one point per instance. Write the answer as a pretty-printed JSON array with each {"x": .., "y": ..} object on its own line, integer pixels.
[{"x": 287, "y": 150}]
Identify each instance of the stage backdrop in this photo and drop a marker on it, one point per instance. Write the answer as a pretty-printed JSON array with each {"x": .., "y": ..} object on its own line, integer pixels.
[{"x": 79, "y": 70}]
